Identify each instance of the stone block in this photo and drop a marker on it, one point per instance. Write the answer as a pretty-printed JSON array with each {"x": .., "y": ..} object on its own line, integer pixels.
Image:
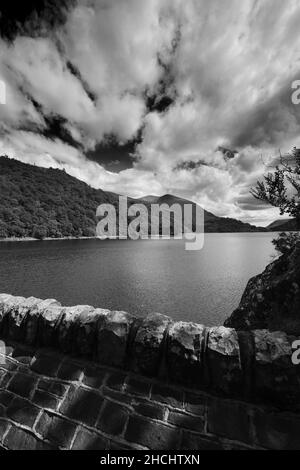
[
  {"x": 70, "y": 371},
  {"x": 168, "y": 395},
  {"x": 151, "y": 410},
  {"x": 58, "y": 431},
  {"x": 85, "y": 342},
  {"x": 22, "y": 384},
  {"x": 277, "y": 430},
  {"x": 67, "y": 327},
  {"x": 116, "y": 380},
  {"x": 51, "y": 386},
  {"x": 82, "y": 405},
  {"x": 46, "y": 365},
  {"x": 8, "y": 305},
  {"x": 5, "y": 299},
  {"x": 3, "y": 428},
  {"x": 19, "y": 439},
  {"x": 113, "y": 418},
  {"x": 86, "y": 440},
  {"x": 116, "y": 396},
  {"x": 17, "y": 318},
  {"x": 195, "y": 404},
  {"x": 196, "y": 442},
  {"x": 277, "y": 379},
  {"x": 45, "y": 400},
  {"x": 48, "y": 324},
  {"x": 113, "y": 334},
  {"x": 136, "y": 386},
  {"x": 228, "y": 419},
  {"x": 185, "y": 353},
  {"x": 32, "y": 334},
  {"x": 224, "y": 362},
  {"x": 147, "y": 348},
  {"x": 155, "y": 436},
  {"x": 22, "y": 412},
  {"x": 94, "y": 377},
  {"x": 183, "y": 420}
]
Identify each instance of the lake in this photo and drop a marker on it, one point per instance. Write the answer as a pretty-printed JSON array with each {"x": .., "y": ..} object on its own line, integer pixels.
[{"x": 139, "y": 276}]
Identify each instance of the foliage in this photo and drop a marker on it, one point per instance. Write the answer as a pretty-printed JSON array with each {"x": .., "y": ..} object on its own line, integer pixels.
[
  {"x": 286, "y": 241},
  {"x": 39, "y": 202},
  {"x": 282, "y": 189}
]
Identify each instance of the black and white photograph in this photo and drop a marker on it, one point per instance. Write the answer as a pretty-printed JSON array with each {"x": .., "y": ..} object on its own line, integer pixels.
[{"x": 149, "y": 228}]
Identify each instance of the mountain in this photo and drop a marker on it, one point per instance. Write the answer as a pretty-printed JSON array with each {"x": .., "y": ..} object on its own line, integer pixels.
[
  {"x": 282, "y": 225},
  {"x": 45, "y": 202},
  {"x": 212, "y": 223}
]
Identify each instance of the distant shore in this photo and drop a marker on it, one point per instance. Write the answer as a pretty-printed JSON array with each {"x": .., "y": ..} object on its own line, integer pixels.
[{"x": 47, "y": 239}]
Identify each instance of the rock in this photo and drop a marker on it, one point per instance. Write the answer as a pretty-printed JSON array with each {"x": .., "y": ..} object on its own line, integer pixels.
[
  {"x": 148, "y": 344},
  {"x": 32, "y": 319},
  {"x": 48, "y": 321},
  {"x": 8, "y": 305},
  {"x": 86, "y": 331},
  {"x": 113, "y": 335},
  {"x": 67, "y": 326},
  {"x": 272, "y": 299},
  {"x": 224, "y": 362},
  {"x": 18, "y": 316},
  {"x": 185, "y": 353},
  {"x": 276, "y": 378}
]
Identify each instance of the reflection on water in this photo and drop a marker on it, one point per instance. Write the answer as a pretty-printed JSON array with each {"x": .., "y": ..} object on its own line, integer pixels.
[{"x": 139, "y": 276}]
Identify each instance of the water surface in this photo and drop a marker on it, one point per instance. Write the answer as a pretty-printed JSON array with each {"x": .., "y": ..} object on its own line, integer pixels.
[{"x": 139, "y": 276}]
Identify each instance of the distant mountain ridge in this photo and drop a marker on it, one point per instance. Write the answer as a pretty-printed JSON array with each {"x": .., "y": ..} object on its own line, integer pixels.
[
  {"x": 283, "y": 225},
  {"x": 212, "y": 223},
  {"x": 45, "y": 202}
]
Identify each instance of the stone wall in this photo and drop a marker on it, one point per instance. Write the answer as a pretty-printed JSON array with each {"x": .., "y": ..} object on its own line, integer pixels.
[{"x": 80, "y": 377}]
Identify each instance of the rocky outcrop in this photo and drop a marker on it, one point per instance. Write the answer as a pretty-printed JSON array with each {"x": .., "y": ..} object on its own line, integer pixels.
[{"x": 272, "y": 299}]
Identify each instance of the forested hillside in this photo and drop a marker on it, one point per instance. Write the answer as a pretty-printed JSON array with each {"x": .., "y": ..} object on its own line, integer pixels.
[
  {"x": 39, "y": 202},
  {"x": 45, "y": 202}
]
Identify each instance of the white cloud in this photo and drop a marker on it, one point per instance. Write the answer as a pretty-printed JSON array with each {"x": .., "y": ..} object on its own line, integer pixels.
[{"x": 231, "y": 64}]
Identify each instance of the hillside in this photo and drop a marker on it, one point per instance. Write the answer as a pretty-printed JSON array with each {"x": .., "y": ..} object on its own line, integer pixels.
[
  {"x": 213, "y": 224},
  {"x": 40, "y": 202},
  {"x": 283, "y": 225}
]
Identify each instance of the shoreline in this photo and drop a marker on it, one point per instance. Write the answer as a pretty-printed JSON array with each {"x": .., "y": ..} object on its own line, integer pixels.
[{"x": 47, "y": 239}]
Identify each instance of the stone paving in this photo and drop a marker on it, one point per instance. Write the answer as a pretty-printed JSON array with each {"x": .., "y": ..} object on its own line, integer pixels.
[{"x": 54, "y": 401}]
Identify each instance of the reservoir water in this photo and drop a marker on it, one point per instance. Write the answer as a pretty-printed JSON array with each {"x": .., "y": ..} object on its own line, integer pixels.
[{"x": 139, "y": 276}]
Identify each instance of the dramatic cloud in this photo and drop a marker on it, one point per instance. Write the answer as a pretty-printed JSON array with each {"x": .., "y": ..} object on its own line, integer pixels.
[{"x": 154, "y": 96}]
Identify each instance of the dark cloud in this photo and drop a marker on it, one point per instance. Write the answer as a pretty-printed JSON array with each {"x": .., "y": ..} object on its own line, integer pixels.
[
  {"x": 248, "y": 202},
  {"x": 269, "y": 122},
  {"x": 114, "y": 156},
  {"x": 32, "y": 17},
  {"x": 159, "y": 103},
  {"x": 76, "y": 72},
  {"x": 227, "y": 153},
  {"x": 190, "y": 165},
  {"x": 54, "y": 125},
  {"x": 165, "y": 91}
]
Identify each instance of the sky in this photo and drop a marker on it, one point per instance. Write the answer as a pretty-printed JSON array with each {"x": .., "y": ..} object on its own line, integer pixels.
[{"x": 187, "y": 97}]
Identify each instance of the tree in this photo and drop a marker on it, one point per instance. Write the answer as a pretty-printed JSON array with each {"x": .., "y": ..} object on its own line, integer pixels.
[
  {"x": 39, "y": 232},
  {"x": 282, "y": 189}
]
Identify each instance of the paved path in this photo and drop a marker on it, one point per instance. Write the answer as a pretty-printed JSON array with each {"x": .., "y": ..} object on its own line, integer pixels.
[{"x": 50, "y": 401}]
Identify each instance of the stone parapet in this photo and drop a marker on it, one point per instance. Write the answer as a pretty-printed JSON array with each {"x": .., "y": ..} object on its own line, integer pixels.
[{"x": 253, "y": 366}]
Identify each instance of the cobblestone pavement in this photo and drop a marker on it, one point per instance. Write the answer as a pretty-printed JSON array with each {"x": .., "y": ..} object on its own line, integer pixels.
[{"x": 52, "y": 401}]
